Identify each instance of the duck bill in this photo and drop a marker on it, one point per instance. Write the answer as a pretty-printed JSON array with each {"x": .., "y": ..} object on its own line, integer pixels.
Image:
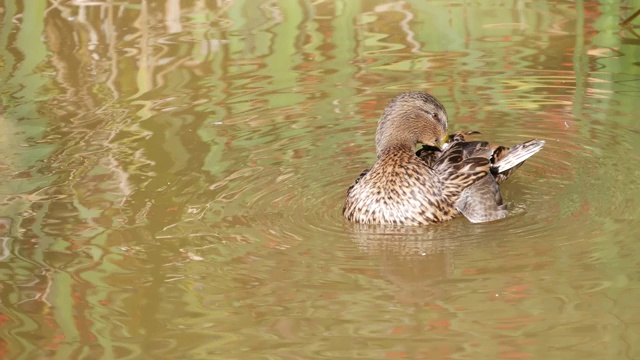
[{"x": 444, "y": 143}]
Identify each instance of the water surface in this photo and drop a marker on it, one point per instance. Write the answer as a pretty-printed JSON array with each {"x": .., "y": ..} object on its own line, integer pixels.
[{"x": 174, "y": 172}]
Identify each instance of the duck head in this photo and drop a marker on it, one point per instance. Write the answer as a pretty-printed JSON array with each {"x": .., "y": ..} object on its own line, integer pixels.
[{"x": 411, "y": 118}]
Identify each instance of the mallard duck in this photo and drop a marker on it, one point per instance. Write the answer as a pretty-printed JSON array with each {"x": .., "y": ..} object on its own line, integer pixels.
[{"x": 444, "y": 178}]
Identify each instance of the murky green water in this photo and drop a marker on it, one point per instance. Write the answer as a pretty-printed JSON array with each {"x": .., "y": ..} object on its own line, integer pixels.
[{"x": 173, "y": 174}]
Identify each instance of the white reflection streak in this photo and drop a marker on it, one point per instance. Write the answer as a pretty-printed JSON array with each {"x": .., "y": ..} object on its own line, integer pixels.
[
  {"x": 111, "y": 35},
  {"x": 172, "y": 17},
  {"x": 55, "y": 4},
  {"x": 520, "y": 6},
  {"x": 121, "y": 177},
  {"x": 93, "y": 34},
  {"x": 108, "y": 28},
  {"x": 144, "y": 77},
  {"x": 86, "y": 2},
  {"x": 42, "y": 296},
  {"x": 404, "y": 24},
  {"x": 273, "y": 9},
  {"x": 5, "y": 249}
]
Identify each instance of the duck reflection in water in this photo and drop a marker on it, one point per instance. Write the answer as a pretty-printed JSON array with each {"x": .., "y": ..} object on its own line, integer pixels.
[
  {"x": 413, "y": 259},
  {"x": 418, "y": 261}
]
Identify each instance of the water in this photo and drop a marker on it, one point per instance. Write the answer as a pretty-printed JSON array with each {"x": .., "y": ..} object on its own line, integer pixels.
[{"x": 174, "y": 171}]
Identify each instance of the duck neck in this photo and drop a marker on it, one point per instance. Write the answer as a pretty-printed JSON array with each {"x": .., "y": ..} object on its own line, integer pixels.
[
  {"x": 394, "y": 135},
  {"x": 400, "y": 147}
]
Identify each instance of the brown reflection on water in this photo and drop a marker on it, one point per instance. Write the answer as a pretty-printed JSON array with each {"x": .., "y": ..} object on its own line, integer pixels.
[
  {"x": 412, "y": 261},
  {"x": 173, "y": 173}
]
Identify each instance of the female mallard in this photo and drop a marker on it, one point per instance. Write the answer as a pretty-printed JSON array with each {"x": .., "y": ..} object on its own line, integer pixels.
[{"x": 435, "y": 184}]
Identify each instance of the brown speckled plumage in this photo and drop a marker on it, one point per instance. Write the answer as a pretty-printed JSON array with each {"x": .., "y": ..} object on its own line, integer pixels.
[{"x": 432, "y": 185}]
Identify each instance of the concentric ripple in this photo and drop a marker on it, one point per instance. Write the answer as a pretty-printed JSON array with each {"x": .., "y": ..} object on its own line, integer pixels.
[{"x": 293, "y": 190}]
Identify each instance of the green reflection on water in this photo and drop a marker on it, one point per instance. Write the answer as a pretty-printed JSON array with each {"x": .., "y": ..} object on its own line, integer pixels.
[{"x": 174, "y": 173}]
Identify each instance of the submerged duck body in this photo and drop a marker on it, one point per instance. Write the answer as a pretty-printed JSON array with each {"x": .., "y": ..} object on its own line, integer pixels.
[{"x": 432, "y": 185}]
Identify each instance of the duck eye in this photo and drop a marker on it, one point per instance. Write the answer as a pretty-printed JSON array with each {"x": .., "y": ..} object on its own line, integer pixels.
[{"x": 435, "y": 116}]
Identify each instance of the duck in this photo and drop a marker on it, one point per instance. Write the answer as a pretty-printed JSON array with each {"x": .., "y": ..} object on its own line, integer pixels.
[{"x": 448, "y": 176}]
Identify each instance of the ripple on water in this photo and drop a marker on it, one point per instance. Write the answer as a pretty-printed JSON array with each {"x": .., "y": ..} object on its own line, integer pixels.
[{"x": 293, "y": 190}]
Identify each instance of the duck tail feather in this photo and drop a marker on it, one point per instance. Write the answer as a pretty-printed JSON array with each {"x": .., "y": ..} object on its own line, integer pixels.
[{"x": 506, "y": 159}]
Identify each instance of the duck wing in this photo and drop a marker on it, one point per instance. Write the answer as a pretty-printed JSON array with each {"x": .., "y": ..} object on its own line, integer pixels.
[
  {"x": 482, "y": 201},
  {"x": 429, "y": 154},
  {"x": 461, "y": 165}
]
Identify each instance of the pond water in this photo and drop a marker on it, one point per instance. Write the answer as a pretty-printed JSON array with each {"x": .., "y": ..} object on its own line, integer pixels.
[{"x": 173, "y": 174}]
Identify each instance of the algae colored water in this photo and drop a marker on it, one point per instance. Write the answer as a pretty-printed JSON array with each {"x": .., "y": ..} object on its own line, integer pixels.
[{"x": 173, "y": 174}]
